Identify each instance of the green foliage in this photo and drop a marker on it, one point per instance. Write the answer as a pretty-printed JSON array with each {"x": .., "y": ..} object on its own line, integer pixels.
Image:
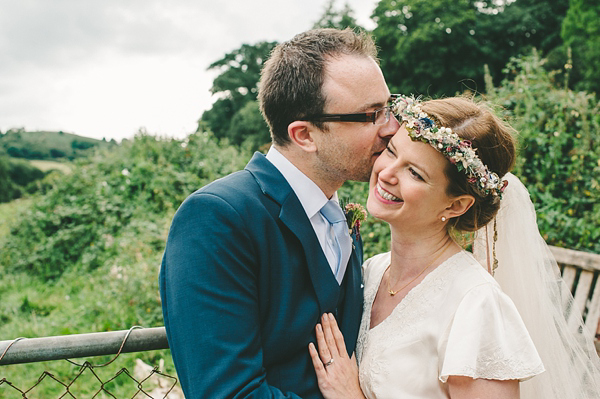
[
  {"x": 559, "y": 141},
  {"x": 249, "y": 127},
  {"x": 559, "y": 151},
  {"x": 375, "y": 233},
  {"x": 99, "y": 234},
  {"x": 337, "y": 19},
  {"x": 235, "y": 86},
  {"x": 19, "y": 143},
  {"x": 76, "y": 221},
  {"x": 22, "y": 172},
  {"x": 8, "y": 191},
  {"x": 425, "y": 45},
  {"x": 581, "y": 31},
  {"x": 9, "y": 212},
  {"x": 439, "y": 47},
  {"x": 235, "y": 114},
  {"x": 16, "y": 176},
  {"x": 118, "y": 295},
  {"x": 516, "y": 29}
]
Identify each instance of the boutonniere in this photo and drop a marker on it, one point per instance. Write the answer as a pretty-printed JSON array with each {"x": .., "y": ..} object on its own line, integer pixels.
[{"x": 355, "y": 215}]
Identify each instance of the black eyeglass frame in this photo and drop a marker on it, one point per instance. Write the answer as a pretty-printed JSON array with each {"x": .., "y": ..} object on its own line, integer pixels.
[{"x": 370, "y": 116}]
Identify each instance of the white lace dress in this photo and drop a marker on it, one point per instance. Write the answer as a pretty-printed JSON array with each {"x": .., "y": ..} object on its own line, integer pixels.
[{"x": 457, "y": 321}]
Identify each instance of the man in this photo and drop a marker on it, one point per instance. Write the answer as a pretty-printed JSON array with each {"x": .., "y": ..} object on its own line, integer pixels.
[{"x": 252, "y": 261}]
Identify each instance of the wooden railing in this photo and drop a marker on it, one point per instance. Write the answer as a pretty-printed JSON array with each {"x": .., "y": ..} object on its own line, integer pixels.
[{"x": 581, "y": 272}]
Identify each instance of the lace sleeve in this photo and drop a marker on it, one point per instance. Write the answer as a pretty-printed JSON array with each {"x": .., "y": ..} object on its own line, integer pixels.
[{"x": 487, "y": 339}]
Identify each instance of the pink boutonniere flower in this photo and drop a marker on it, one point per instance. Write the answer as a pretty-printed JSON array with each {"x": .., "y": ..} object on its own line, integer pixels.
[{"x": 355, "y": 215}]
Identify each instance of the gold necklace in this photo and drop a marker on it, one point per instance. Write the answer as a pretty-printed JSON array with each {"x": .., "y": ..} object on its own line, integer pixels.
[{"x": 392, "y": 292}]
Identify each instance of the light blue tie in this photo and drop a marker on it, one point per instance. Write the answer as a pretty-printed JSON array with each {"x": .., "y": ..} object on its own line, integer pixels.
[{"x": 341, "y": 244}]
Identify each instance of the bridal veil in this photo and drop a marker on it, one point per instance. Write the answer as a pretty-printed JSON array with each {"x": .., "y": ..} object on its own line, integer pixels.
[{"x": 530, "y": 276}]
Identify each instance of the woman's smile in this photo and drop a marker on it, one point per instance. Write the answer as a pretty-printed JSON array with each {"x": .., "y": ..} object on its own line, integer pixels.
[{"x": 385, "y": 196}]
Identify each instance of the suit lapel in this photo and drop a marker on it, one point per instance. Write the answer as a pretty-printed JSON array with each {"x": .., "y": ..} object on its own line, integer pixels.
[
  {"x": 292, "y": 214},
  {"x": 326, "y": 286},
  {"x": 353, "y": 299}
]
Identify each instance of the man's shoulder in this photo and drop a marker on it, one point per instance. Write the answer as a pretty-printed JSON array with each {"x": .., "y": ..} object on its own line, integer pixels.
[
  {"x": 236, "y": 188},
  {"x": 242, "y": 180}
]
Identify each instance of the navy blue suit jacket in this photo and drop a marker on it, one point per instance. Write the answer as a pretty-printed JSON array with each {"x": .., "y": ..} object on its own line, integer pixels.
[{"x": 243, "y": 283}]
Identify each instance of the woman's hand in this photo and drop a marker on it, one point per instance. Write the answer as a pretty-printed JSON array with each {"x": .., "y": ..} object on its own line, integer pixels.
[{"x": 337, "y": 374}]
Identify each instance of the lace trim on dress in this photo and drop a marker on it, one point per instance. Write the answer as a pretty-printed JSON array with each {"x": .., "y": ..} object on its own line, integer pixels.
[
  {"x": 497, "y": 366},
  {"x": 406, "y": 316}
]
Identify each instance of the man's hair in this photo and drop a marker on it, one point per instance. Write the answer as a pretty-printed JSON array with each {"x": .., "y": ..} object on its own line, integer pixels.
[{"x": 291, "y": 81}]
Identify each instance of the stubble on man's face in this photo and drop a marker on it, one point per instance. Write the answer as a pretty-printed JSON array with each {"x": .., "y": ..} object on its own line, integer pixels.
[{"x": 338, "y": 161}]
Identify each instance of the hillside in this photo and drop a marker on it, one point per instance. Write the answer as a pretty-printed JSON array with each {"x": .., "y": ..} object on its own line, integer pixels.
[
  {"x": 84, "y": 257},
  {"x": 19, "y": 143}
]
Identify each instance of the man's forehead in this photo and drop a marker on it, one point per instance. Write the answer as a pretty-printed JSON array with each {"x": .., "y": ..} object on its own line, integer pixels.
[{"x": 357, "y": 79}]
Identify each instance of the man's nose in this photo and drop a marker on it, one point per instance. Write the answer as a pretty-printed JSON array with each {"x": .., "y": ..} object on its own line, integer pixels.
[{"x": 390, "y": 128}]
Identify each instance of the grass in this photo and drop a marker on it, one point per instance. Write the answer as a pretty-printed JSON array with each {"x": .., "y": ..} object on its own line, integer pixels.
[
  {"x": 9, "y": 212},
  {"x": 45, "y": 166},
  {"x": 48, "y": 145},
  {"x": 119, "y": 294}
]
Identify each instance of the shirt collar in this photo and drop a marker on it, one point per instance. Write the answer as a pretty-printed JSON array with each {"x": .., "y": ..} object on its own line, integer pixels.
[{"x": 309, "y": 194}]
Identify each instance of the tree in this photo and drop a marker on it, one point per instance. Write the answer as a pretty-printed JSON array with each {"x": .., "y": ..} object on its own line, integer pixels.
[
  {"x": 581, "y": 31},
  {"x": 426, "y": 46},
  {"x": 235, "y": 114},
  {"x": 516, "y": 28},
  {"x": 337, "y": 19},
  {"x": 440, "y": 47},
  {"x": 249, "y": 127},
  {"x": 7, "y": 189},
  {"x": 236, "y": 85}
]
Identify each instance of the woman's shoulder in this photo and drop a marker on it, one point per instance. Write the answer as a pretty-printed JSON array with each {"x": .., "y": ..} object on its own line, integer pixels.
[
  {"x": 468, "y": 273},
  {"x": 375, "y": 265}
]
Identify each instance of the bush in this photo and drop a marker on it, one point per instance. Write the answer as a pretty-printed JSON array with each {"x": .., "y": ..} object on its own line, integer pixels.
[
  {"x": 559, "y": 133},
  {"x": 76, "y": 221},
  {"x": 558, "y": 161},
  {"x": 16, "y": 177}
]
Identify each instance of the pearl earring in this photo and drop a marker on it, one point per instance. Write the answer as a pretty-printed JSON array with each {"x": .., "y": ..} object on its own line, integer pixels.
[{"x": 443, "y": 218}]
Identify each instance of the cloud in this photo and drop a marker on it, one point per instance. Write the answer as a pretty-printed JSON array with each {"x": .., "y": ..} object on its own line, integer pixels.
[
  {"x": 61, "y": 32},
  {"x": 106, "y": 68}
]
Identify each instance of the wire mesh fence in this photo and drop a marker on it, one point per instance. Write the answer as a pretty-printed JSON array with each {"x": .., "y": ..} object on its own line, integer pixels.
[{"x": 88, "y": 380}]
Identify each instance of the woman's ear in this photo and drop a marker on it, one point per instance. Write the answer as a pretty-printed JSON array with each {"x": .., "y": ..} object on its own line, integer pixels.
[
  {"x": 459, "y": 206},
  {"x": 301, "y": 134}
]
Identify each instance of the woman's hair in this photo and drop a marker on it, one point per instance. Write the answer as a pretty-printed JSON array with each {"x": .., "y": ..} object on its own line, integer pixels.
[{"x": 493, "y": 141}]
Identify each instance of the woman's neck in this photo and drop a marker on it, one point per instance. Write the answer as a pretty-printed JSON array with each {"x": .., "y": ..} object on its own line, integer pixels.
[{"x": 410, "y": 252}]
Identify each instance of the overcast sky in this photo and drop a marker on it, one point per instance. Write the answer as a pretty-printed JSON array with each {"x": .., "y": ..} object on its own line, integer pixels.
[{"x": 106, "y": 68}]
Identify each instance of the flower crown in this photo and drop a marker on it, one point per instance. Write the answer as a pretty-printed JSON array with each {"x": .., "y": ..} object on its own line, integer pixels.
[{"x": 460, "y": 152}]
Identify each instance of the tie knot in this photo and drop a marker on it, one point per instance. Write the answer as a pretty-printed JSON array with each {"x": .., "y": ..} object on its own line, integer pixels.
[{"x": 332, "y": 212}]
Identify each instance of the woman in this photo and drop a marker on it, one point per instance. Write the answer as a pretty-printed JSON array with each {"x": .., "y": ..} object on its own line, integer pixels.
[{"x": 436, "y": 324}]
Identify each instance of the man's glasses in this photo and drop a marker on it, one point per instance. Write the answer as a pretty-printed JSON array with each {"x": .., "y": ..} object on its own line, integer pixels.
[{"x": 380, "y": 116}]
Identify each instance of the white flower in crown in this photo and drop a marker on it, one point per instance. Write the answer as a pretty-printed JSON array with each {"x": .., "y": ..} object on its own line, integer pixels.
[{"x": 421, "y": 127}]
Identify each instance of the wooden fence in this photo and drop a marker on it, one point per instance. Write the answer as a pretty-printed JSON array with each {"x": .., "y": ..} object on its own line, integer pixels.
[{"x": 581, "y": 272}]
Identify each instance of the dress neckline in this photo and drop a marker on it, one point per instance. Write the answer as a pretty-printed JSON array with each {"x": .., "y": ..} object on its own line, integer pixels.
[{"x": 411, "y": 293}]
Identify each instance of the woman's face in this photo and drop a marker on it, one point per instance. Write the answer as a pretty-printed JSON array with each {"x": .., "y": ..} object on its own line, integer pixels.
[{"x": 408, "y": 184}]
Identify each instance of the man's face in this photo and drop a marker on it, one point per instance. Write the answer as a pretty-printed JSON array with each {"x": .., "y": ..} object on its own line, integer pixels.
[{"x": 348, "y": 150}]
